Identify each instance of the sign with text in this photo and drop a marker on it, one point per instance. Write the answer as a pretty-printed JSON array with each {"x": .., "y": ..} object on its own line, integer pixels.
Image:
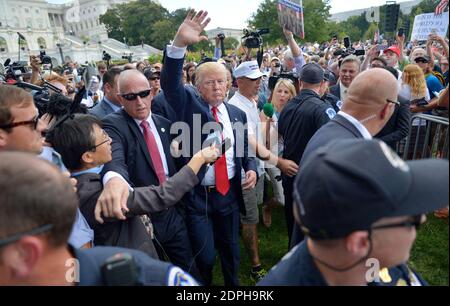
[
  {"x": 427, "y": 24},
  {"x": 290, "y": 13}
]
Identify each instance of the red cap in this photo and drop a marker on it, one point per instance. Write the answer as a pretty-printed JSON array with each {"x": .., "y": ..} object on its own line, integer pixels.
[{"x": 394, "y": 49}]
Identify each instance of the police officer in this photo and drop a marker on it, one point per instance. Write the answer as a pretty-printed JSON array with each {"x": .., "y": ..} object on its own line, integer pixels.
[
  {"x": 37, "y": 211},
  {"x": 360, "y": 205},
  {"x": 299, "y": 121}
]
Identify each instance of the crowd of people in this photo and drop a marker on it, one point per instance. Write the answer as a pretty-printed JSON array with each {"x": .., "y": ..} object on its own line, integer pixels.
[{"x": 155, "y": 167}]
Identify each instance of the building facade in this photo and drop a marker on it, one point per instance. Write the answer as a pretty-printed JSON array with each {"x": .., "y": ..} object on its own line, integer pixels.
[{"x": 69, "y": 31}]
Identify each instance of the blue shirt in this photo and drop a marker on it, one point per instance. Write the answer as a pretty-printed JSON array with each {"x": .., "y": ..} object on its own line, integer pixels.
[
  {"x": 115, "y": 107},
  {"x": 434, "y": 85}
]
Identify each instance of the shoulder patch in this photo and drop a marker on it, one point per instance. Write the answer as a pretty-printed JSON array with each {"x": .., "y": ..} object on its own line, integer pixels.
[
  {"x": 339, "y": 104},
  {"x": 177, "y": 277},
  {"x": 330, "y": 112}
]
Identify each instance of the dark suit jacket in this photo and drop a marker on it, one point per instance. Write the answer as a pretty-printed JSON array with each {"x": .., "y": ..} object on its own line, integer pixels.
[
  {"x": 101, "y": 110},
  {"x": 397, "y": 128},
  {"x": 162, "y": 108},
  {"x": 336, "y": 90},
  {"x": 131, "y": 158},
  {"x": 337, "y": 128},
  {"x": 186, "y": 103},
  {"x": 131, "y": 233}
]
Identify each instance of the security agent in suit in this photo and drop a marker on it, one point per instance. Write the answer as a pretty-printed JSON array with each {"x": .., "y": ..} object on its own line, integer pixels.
[
  {"x": 360, "y": 206},
  {"x": 110, "y": 102},
  {"x": 364, "y": 113},
  {"x": 299, "y": 121},
  {"x": 85, "y": 148},
  {"x": 397, "y": 128},
  {"x": 212, "y": 210},
  {"x": 34, "y": 234},
  {"x": 142, "y": 157}
]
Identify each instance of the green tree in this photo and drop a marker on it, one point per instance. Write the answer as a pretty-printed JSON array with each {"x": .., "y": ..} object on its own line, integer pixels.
[
  {"x": 316, "y": 14},
  {"x": 231, "y": 43},
  {"x": 162, "y": 32},
  {"x": 112, "y": 19}
]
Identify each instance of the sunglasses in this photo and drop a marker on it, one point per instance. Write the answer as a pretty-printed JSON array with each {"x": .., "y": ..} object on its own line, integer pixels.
[
  {"x": 422, "y": 61},
  {"x": 393, "y": 102},
  {"x": 33, "y": 122},
  {"x": 415, "y": 222},
  {"x": 133, "y": 96}
]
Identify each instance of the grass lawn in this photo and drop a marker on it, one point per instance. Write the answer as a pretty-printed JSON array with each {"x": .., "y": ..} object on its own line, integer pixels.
[{"x": 429, "y": 256}]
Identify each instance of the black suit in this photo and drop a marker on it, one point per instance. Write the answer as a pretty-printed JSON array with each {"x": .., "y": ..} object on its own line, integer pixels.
[
  {"x": 397, "y": 128},
  {"x": 131, "y": 159},
  {"x": 213, "y": 219},
  {"x": 338, "y": 128},
  {"x": 336, "y": 90}
]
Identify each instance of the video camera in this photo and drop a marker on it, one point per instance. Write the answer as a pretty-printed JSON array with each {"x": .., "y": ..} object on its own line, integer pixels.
[
  {"x": 290, "y": 76},
  {"x": 45, "y": 59},
  {"x": 106, "y": 57},
  {"x": 349, "y": 49},
  {"x": 15, "y": 70},
  {"x": 253, "y": 39},
  {"x": 221, "y": 36}
]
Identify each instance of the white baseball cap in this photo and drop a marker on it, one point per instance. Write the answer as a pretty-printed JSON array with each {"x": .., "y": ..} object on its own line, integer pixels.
[{"x": 248, "y": 70}]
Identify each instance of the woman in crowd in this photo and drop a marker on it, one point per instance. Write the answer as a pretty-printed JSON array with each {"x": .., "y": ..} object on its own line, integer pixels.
[{"x": 283, "y": 92}]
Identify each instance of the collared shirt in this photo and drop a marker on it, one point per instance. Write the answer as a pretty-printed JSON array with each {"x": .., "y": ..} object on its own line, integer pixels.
[
  {"x": 158, "y": 141},
  {"x": 250, "y": 109},
  {"x": 361, "y": 128},
  {"x": 95, "y": 170},
  {"x": 113, "y": 106},
  {"x": 344, "y": 91},
  {"x": 111, "y": 174},
  {"x": 224, "y": 118}
]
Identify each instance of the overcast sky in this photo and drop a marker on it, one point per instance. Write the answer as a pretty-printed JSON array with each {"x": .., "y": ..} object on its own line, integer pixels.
[{"x": 241, "y": 10}]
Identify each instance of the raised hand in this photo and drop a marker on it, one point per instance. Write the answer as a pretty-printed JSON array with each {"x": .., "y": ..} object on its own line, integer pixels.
[
  {"x": 288, "y": 33},
  {"x": 190, "y": 30}
]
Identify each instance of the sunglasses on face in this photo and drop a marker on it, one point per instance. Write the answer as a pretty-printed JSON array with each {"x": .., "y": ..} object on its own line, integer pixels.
[
  {"x": 133, "y": 96},
  {"x": 33, "y": 123},
  {"x": 421, "y": 61},
  {"x": 154, "y": 79},
  {"x": 416, "y": 222}
]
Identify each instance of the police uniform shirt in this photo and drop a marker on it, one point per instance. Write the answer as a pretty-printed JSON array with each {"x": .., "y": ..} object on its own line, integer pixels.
[
  {"x": 300, "y": 120},
  {"x": 151, "y": 272},
  {"x": 297, "y": 268}
]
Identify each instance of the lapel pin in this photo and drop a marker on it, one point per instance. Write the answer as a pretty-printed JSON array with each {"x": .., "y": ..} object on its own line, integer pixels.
[{"x": 163, "y": 130}]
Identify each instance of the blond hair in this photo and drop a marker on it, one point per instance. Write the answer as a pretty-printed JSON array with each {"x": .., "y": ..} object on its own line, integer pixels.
[
  {"x": 290, "y": 86},
  {"x": 414, "y": 77},
  {"x": 206, "y": 68}
]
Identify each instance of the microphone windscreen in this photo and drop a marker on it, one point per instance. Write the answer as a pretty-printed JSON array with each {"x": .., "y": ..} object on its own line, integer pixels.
[{"x": 268, "y": 110}]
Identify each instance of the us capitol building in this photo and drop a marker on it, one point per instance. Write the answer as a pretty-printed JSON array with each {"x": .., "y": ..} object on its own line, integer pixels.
[{"x": 70, "y": 31}]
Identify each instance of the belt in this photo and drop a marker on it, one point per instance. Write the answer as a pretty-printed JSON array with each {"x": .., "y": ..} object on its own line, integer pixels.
[{"x": 210, "y": 189}]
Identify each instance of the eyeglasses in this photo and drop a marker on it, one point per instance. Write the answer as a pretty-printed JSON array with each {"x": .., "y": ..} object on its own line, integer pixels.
[
  {"x": 393, "y": 102},
  {"x": 33, "y": 122},
  {"x": 107, "y": 139},
  {"x": 211, "y": 83},
  {"x": 415, "y": 222},
  {"x": 154, "y": 79},
  {"x": 421, "y": 61},
  {"x": 13, "y": 238},
  {"x": 133, "y": 96}
]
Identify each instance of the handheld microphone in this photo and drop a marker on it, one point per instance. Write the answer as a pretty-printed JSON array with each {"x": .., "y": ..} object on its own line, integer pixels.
[{"x": 268, "y": 110}]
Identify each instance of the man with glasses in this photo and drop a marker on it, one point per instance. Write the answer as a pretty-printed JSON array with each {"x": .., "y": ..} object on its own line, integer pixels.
[
  {"x": 22, "y": 130},
  {"x": 37, "y": 210},
  {"x": 141, "y": 151},
  {"x": 360, "y": 206},
  {"x": 213, "y": 207},
  {"x": 20, "y": 127}
]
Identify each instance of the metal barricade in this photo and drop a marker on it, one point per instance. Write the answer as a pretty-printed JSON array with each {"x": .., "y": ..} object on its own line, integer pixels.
[{"x": 428, "y": 138}]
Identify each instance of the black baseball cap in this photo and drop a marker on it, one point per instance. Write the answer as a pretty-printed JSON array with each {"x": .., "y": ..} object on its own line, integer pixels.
[
  {"x": 349, "y": 185},
  {"x": 424, "y": 58},
  {"x": 312, "y": 73},
  {"x": 151, "y": 73}
]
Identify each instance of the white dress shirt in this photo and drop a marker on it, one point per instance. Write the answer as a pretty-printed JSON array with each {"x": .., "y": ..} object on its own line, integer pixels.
[
  {"x": 111, "y": 174},
  {"x": 361, "y": 128}
]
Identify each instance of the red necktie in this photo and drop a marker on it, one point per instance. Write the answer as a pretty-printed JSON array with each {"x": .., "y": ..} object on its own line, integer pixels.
[
  {"x": 154, "y": 152},
  {"x": 222, "y": 182}
]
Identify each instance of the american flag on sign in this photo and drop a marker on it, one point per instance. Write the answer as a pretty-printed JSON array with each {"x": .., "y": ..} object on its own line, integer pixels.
[{"x": 441, "y": 7}]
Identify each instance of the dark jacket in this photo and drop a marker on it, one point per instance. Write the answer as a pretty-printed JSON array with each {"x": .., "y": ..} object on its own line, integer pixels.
[
  {"x": 101, "y": 110},
  {"x": 336, "y": 90},
  {"x": 131, "y": 233},
  {"x": 194, "y": 111},
  {"x": 397, "y": 128}
]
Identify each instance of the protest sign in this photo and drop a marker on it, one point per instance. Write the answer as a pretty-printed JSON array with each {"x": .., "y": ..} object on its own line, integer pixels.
[
  {"x": 290, "y": 13},
  {"x": 427, "y": 24}
]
